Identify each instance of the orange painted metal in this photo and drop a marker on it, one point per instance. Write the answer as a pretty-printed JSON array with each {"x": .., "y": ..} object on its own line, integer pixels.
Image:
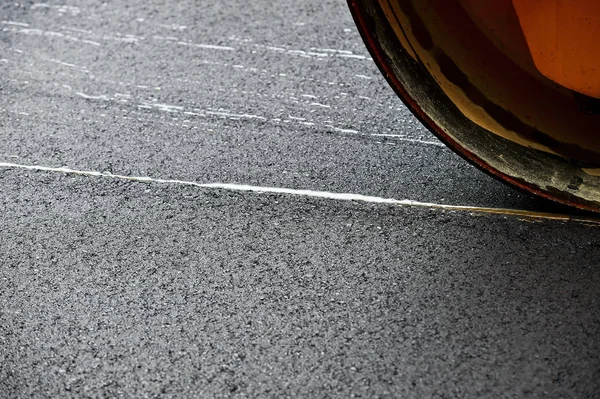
[
  {"x": 563, "y": 38},
  {"x": 498, "y": 21}
]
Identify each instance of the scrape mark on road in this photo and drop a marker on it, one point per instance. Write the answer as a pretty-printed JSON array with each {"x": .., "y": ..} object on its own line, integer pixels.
[
  {"x": 519, "y": 213},
  {"x": 190, "y": 44},
  {"x": 48, "y": 33}
]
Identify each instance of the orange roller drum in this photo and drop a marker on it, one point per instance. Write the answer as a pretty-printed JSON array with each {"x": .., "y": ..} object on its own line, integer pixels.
[{"x": 510, "y": 85}]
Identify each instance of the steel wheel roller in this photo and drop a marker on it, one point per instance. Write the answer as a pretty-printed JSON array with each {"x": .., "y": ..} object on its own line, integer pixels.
[{"x": 513, "y": 86}]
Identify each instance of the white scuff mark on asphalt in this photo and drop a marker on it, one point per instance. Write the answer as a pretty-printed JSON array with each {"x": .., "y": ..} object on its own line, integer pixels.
[
  {"x": 68, "y": 9},
  {"x": 91, "y": 97},
  {"x": 313, "y": 194},
  {"x": 358, "y": 57},
  {"x": 48, "y": 33},
  {"x": 169, "y": 38},
  {"x": 168, "y": 108},
  {"x": 404, "y": 138},
  {"x": 364, "y": 77},
  {"x": 87, "y": 32},
  {"x": 331, "y": 50},
  {"x": 435, "y": 143},
  {"x": 320, "y": 105},
  {"x": 396, "y": 137},
  {"x": 388, "y": 135},
  {"x": 190, "y": 44},
  {"x": 172, "y": 27},
  {"x": 25, "y": 31},
  {"x": 93, "y": 43},
  {"x": 68, "y": 64},
  {"x": 297, "y": 52},
  {"x": 198, "y": 45},
  {"x": 230, "y": 115},
  {"x": 193, "y": 113},
  {"x": 4, "y": 61},
  {"x": 61, "y": 9},
  {"x": 315, "y": 52},
  {"x": 350, "y": 131},
  {"x": 14, "y": 23},
  {"x": 272, "y": 48},
  {"x": 58, "y": 34},
  {"x": 162, "y": 107},
  {"x": 125, "y": 38},
  {"x": 206, "y": 46}
]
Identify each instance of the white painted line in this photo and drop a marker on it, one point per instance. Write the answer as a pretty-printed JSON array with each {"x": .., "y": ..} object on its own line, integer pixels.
[{"x": 315, "y": 194}]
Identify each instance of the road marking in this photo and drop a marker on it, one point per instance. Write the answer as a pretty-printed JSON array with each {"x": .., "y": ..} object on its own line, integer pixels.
[{"x": 519, "y": 213}]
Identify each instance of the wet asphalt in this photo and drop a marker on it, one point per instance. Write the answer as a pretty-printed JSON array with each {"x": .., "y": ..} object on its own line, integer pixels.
[{"x": 115, "y": 288}]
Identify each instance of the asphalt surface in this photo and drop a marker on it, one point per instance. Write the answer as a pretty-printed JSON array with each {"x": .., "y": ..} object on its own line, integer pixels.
[{"x": 115, "y": 288}]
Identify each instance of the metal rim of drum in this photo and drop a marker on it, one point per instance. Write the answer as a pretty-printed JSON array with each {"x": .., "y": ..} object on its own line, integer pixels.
[{"x": 534, "y": 171}]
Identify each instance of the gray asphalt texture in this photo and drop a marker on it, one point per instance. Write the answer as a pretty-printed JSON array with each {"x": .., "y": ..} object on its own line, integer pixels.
[{"x": 112, "y": 288}]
